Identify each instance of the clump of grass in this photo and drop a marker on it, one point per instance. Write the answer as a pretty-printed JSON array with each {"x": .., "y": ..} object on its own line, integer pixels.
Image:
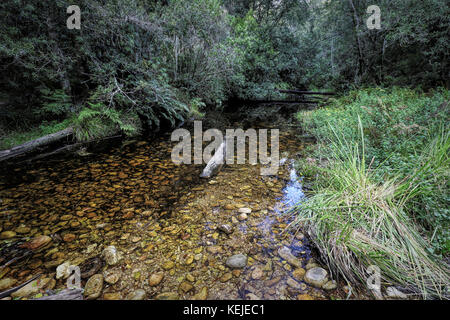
[
  {"x": 398, "y": 126},
  {"x": 356, "y": 221}
]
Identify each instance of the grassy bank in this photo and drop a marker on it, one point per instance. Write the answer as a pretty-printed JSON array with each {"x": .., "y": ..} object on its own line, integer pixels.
[{"x": 381, "y": 196}]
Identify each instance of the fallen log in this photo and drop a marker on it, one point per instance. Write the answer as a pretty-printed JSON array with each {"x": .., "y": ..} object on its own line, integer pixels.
[
  {"x": 308, "y": 92},
  {"x": 33, "y": 145},
  {"x": 253, "y": 102},
  {"x": 215, "y": 164},
  {"x": 66, "y": 294},
  {"x": 68, "y": 148},
  {"x": 12, "y": 290}
]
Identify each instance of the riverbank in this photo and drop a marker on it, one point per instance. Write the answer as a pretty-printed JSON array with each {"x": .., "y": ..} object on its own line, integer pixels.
[{"x": 380, "y": 187}]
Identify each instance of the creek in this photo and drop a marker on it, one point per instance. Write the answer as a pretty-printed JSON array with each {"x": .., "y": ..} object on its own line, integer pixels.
[{"x": 173, "y": 231}]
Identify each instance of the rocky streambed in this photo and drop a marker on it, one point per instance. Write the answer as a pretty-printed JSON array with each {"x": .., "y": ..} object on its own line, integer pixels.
[{"x": 141, "y": 227}]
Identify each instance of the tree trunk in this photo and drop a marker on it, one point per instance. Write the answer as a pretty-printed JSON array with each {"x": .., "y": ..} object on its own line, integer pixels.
[
  {"x": 356, "y": 25},
  {"x": 33, "y": 145}
]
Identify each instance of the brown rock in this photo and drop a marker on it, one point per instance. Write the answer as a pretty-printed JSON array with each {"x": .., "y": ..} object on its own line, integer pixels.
[
  {"x": 37, "y": 242},
  {"x": 156, "y": 278},
  {"x": 201, "y": 295},
  {"x": 257, "y": 273},
  {"x": 69, "y": 237},
  {"x": 112, "y": 296},
  {"x": 186, "y": 286},
  {"x": 299, "y": 273},
  {"x": 7, "y": 235},
  {"x": 226, "y": 277}
]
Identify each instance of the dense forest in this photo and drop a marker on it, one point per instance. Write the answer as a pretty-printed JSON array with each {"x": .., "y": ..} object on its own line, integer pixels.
[
  {"x": 378, "y": 170},
  {"x": 149, "y": 63}
]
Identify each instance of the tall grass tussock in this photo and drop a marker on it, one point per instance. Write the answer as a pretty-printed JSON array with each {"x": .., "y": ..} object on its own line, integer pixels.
[{"x": 373, "y": 203}]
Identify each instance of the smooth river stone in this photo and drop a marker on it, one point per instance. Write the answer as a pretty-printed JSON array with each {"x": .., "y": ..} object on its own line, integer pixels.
[
  {"x": 316, "y": 277},
  {"x": 238, "y": 261}
]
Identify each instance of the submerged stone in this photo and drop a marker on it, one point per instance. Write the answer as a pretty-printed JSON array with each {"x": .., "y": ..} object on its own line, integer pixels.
[
  {"x": 238, "y": 261},
  {"x": 316, "y": 277}
]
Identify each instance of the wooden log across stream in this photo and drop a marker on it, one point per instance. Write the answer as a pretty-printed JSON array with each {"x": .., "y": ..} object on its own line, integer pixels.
[{"x": 308, "y": 92}]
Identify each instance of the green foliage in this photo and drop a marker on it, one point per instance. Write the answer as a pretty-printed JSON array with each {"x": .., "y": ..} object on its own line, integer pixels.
[
  {"x": 57, "y": 103},
  {"x": 399, "y": 126},
  {"x": 98, "y": 121},
  {"x": 357, "y": 222},
  {"x": 196, "y": 106}
]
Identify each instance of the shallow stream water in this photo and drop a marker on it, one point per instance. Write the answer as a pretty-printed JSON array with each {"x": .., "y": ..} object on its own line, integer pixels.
[{"x": 162, "y": 218}]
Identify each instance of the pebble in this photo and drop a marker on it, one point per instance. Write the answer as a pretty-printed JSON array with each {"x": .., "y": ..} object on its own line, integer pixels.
[
  {"x": 226, "y": 277},
  {"x": 293, "y": 284},
  {"x": 311, "y": 265},
  {"x": 156, "y": 278},
  {"x": 168, "y": 265},
  {"x": 23, "y": 230},
  {"x": 201, "y": 295},
  {"x": 242, "y": 217},
  {"x": 214, "y": 249},
  {"x": 245, "y": 210},
  {"x": 167, "y": 296},
  {"x": 186, "y": 286},
  {"x": 299, "y": 273},
  {"x": 394, "y": 293},
  {"x": 93, "y": 287},
  {"x": 287, "y": 255},
  {"x": 63, "y": 271},
  {"x": 69, "y": 237},
  {"x": 257, "y": 273},
  {"x": 112, "y": 277},
  {"x": 37, "y": 242},
  {"x": 111, "y": 255},
  {"x": 225, "y": 228},
  {"x": 7, "y": 283},
  {"x": 316, "y": 277},
  {"x": 273, "y": 281},
  {"x": 112, "y": 296},
  {"x": 190, "y": 277},
  {"x": 138, "y": 294},
  {"x": 32, "y": 288},
  {"x": 237, "y": 261},
  {"x": 330, "y": 285}
]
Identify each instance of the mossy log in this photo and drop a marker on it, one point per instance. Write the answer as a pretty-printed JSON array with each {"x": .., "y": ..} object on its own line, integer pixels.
[{"x": 34, "y": 145}]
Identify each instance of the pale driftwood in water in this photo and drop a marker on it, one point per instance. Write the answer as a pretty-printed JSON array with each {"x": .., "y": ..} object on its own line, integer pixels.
[
  {"x": 67, "y": 294},
  {"x": 216, "y": 163},
  {"x": 33, "y": 145}
]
